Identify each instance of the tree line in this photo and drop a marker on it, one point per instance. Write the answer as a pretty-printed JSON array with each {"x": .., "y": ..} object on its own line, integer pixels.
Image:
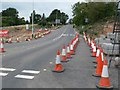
[
  {"x": 91, "y": 12},
  {"x": 10, "y": 17}
]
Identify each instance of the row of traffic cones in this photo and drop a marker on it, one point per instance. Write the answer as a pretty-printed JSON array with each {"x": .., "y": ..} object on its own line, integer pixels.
[
  {"x": 66, "y": 55},
  {"x": 29, "y": 38},
  {"x": 101, "y": 69},
  {"x": 102, "y": 72},
  {"x": 46, "y": 32},
  {"x": 17, "y": 40}
]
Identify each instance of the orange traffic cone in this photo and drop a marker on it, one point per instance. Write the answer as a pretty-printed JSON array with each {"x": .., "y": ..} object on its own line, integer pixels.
[
  {"x": 99, "y": 67},
  {"x": 39, "y": 36},
  {"x": 85, "y": 36},
  {"x": 2, "y": 41},
  {"x": 10, "y": 40},
  {"x": 71, "y": 48},
  {"x": 77, "y": 36},
  {"x": 2, "y": 47},
  {"x": 92, "y": 46},
  {"x": 74, "y": 42},
  {"x": 68, "y": 51},
  {"x": 104, "y": 81},
  {"x": 94, "y": 51},
  {"x": 36, "y": 37},
  {"x": 29, "y": 39},
  {"x": 63, "y": 57},
  {"x": 58, "y": 66},
  {"x": 26, "y": 39},
  {"x": 97, "y": 56},
  {"x": 17, "y": 40},
  {"x": 89, "y": 42}
]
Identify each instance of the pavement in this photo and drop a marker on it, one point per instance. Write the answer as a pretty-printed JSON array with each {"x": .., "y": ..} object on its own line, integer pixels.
[{"x": 29, "y": 64}]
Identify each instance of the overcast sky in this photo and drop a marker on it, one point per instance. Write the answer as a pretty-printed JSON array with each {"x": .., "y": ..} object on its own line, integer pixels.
[{"x": 25, "y": 7}]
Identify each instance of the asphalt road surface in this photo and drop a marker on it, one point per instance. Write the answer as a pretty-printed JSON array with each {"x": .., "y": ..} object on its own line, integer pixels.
[{"x": 29, "y": 64}]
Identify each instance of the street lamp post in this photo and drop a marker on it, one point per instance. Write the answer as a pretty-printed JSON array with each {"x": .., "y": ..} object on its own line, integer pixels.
[
  {"x": 32, "y": 25},
  {"x": 33, "y": 21}
]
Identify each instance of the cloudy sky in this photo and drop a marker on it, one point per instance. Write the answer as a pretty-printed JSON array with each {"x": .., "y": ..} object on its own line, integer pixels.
[{"x": 25, "y": 7}]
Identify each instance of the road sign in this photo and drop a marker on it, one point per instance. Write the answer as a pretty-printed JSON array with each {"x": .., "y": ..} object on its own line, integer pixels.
[
  {"x": 57, "y": 21},
  {"x": 27, "y": 26}
]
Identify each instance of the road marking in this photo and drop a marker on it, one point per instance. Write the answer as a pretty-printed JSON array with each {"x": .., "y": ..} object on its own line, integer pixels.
[
  {"x": 65, "y": 35},
  {"x": 57, "y": 37},
  {"x": 51, "y": 62},
  {"x": 31, "y": 71},
  {"x": 7, "y": 69},
  {"x": 24, "y": 76},
  {"x": 44, "y": 69},
  {"x": 3, "y": 74}
]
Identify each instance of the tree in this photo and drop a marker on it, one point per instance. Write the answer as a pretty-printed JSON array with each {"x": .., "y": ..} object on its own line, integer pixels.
[
  {"x": 93, "y": 11},
  {"x": 56, "y": 14},
  {"x": 27, "y": 22},
  {"x": 64, "y": 18},
  {"x": 10, "y": 17},
  {"x": 10, "y": 12},
  {"x": 36, "y": 17},
  {"x": 43, "y": 21}
]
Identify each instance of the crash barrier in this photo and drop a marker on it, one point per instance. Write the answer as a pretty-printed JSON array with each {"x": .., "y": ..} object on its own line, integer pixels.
[{"x": 107, "y": 43}]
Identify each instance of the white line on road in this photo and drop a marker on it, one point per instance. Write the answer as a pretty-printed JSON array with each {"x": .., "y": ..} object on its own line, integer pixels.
[
  {"x": 57, "y": 37},
  {"x": 24, "y": 76},
  {"x": 31, "y": 71},
  {"x": 7, "y": 69},
  {"x": 44, "y": 69},
  {"x": 3, "y": 74},
  {"x": 65, "y": 35},
  {"x": 51, "y": 62}
]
